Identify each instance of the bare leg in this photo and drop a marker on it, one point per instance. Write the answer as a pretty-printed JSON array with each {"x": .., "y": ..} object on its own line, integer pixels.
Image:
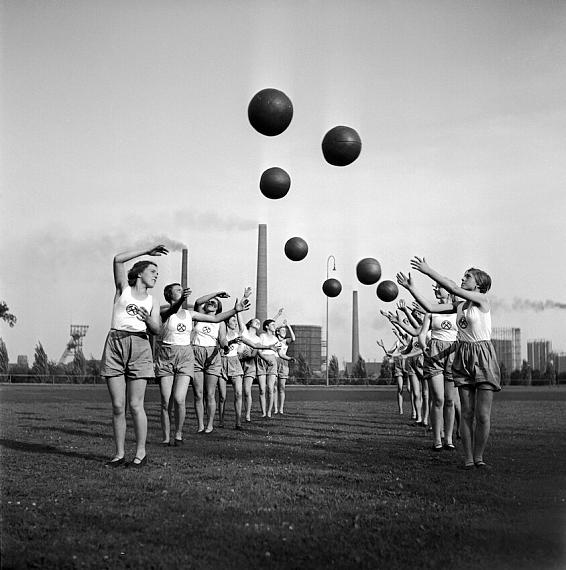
[
  {"x": 270, "y": 393},
  {"x": 237, "y": 385},
  {"x": 198, "y": 391},
  {"x": 136, "y": 394},
  {"x": 449, "y": 394},
  {"x": 117, "y": 389},
  {"x": 180, "y": 395},
  {"x": 436, "y": 389},
  {"x": 282, "y": 382},
  {"x": 261, "y": 383},
  {"x": 400, "y": 387},
  {"x": 468, "y": 399},
  {"x": 484, "y": 399},
  {"x": 165, "y": 387},
  {"x": 457, "y": 413},
  {"x": 425, "y": 401},
  {"x": 416, "y": 396},
  {"x": 210, "y": 383},
  {"x": 248, "y": 381},
  {"x": 221, "y": 400}
]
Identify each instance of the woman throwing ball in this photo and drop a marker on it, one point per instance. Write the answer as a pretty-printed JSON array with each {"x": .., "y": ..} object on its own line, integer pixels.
[
  {"x": 127, "y": 357},
  {"x": 475, "y": 368}
]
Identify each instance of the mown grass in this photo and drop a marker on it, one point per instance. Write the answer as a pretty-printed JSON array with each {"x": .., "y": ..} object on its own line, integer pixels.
[{"x": 338, "y": 481}]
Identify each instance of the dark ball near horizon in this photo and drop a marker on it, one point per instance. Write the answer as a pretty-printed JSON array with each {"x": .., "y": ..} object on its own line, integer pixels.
[
  {"x": 296, "y": 248},
  {"x": 332, "y": 287},
  {"x": 274, "y": 183},
  {"x": 270, "y": 112},
  {"x": 341, "y": 146},
  {"x": 368, "y": 271},
  {"x": 387, "y": 291}
]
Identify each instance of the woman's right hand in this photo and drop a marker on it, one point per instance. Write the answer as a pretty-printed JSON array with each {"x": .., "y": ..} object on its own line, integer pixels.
[{"x": 158, "y": 250}]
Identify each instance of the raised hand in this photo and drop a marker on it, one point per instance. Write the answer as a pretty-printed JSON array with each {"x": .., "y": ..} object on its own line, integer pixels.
[
  {"x": 420, "y": 264},
  {"x": 158, "y": 250},
  {"x": 401, "y": 305},
  {"x": 222, "y": 295},
  {"x": 247, "y": 292},
  {"x": 418, "y": 308},
  {"x": 242, "y": 305},
  {"x": 404, "y": 280},
  {"x": 186, "y": 293}
]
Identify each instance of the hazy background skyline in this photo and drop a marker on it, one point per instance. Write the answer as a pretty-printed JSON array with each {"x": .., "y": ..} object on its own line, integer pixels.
[{"x": 125, "y": 123}]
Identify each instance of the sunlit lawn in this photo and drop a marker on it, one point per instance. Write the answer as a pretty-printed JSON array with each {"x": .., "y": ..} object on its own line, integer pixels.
[{"x": 340, "y": 481}]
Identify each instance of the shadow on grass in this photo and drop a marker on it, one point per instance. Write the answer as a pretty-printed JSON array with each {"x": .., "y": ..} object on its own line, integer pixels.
[{"x": 47, "y": 449}]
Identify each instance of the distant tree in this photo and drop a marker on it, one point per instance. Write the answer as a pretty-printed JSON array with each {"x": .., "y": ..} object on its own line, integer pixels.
[
  {"x": 78, "y": 366},
  {"x": 4, "y": 360},
  {"x": 359, "y": 369},
  {"x": 386, "y": 371},
  {"x": 550, "y": 372},
  {"x": 504, "y": 373},
  {"x": 303, "y": 368},
  {"x": 5, "y": 314},
  {"x": 41, "y": 364},
  {"x": 334, "y": 369},
  {"x": 526, "y": 373}
]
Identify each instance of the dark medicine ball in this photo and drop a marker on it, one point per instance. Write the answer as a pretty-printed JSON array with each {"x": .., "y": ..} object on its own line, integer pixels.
[
  {"x": 332, "y": 287},
  {"x": 296, "y": 249},
  {"x": 387, "y": 291},
  {"x": 274, "y": 183},
  {"x": 341, "y": 146},
  {"x": 368, "y": 271},
  {"x": 270, "y": 111}
]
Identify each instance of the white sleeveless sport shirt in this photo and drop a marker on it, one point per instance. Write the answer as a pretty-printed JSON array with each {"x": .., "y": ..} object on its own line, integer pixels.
[
  {"x": 177, "y": 329},
  {"x": 125, "y": 311},
  {"x": 205, "y": 334},
  {"x": 443, "y": 327},
  {"x": 473, "y": 324}
]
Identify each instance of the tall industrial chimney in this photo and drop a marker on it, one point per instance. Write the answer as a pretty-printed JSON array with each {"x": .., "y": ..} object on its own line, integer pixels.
[
  {"x": 184, "y": 273},
  {"x": 355, "y": 330},
  {"x": 261, "y": 276}
]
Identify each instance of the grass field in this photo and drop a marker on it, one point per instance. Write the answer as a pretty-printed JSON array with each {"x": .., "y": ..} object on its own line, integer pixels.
[{"x": 340, "y": 481}]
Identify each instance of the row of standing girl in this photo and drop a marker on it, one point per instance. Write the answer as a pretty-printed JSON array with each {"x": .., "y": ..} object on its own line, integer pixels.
[
  {"x": 455, "y": 341},
  {"x": 185, "y": 353}
]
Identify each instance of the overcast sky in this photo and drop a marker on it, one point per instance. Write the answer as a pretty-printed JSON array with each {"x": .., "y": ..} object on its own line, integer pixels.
[{"x": 125, "y": 123}]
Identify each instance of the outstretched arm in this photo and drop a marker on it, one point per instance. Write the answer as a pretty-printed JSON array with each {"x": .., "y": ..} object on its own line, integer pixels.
[
  {"x": 291, "y": 332},
  {"x": 476, "y": 297},
  {"x": 205, "y": 298},
  {"x": 395, "y": 320},
  {"x": 220, "y": 317},
  {"x": 168, "y": 310},
  {"x": 407, "y": 282},
  {"x": 424, "y": 330},
  {"x": 120, "y": 277}
]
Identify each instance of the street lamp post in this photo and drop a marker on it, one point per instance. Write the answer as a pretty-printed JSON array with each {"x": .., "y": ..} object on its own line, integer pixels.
[{"x": 333, "y": 269}]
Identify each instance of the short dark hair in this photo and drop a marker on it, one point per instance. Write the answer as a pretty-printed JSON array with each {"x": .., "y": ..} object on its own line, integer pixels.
[
  {"x": 482, "y": 279},
  {"x": 168, "y": 290},
  {"x": 266, "y": 323},
  {"x": 136, "y": 269}
]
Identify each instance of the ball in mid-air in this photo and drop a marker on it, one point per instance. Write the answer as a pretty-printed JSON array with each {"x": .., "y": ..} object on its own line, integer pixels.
[
  {"x": 274, "y": 183},
  {"x": 341, "y": 146},
  {"x": 296, "y": 248},
  {"x": 332, "y": 287},
  {"x": 368, "y": 271},
  {"x": 270, "y": 112},
  {"x": 387, "y": 291}
]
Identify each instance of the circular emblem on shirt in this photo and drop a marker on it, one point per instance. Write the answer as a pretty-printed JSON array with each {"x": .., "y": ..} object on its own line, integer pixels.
[
  {"x": 446, "y": 325},
  {"x": 132, "y": 309},
  {"x": 463, "y": 323},
  {"x": 181, "y": 327},
  {"x": 206, "y": 330}
]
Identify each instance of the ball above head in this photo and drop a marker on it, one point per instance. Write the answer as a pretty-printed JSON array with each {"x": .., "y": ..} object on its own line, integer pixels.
[
  {"x": 368, "y": 271},
  {"x": 270, "y": 112},
  {"x": 387, "y": 291},
  {"x": 274, "y": 183},
  {"x": 341, "y": 146},
  {"x": 296, "y": 248},
  {"x": 332, "y": 287}
]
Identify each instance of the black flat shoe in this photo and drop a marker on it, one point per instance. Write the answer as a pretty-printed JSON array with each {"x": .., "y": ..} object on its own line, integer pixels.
[
  {"x": 140, "y": 464},
  {"x": 178, "y": 443},
  {"x": 115, "y": 462},
  {"x": 437, "y": 447},
  {"x": 238, "y": 427},
  {"x": 449, "y": 446}
]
